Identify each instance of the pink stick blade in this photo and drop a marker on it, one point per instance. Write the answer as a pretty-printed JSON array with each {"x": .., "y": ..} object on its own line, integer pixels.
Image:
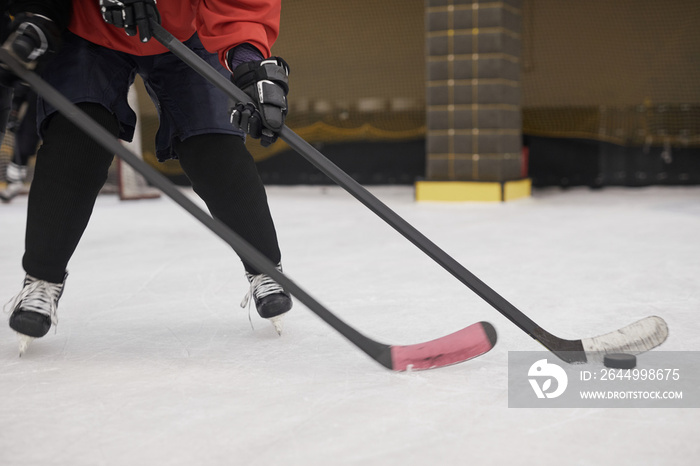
[{"x": 460, "y": 346}]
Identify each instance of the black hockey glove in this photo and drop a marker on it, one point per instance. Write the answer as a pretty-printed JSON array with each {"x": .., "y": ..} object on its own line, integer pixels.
[
  {"x": 134, "y": 16},
  {"x": 32, "y": 39},
  {"x": 265, "y": 81}
]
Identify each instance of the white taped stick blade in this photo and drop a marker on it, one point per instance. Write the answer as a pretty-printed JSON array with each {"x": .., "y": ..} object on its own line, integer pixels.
[{"x": 636, "y": 338}]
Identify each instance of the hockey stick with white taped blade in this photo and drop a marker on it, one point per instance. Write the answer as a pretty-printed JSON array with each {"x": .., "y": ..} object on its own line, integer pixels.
[
  {"x": 636, "y": 338},
  {"x": 457, "y": 347}
]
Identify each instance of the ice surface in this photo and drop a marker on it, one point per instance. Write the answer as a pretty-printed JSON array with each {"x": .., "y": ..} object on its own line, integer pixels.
[{"x": 154, "y": 362}]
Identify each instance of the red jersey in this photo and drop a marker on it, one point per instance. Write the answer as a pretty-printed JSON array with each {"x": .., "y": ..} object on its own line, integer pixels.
[{"x": 221, "y": 25}]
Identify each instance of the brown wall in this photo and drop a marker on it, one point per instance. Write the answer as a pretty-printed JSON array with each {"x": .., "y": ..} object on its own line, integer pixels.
[
  {"x": 611, "y": 52},
  {"x": 353, "y": 49}
]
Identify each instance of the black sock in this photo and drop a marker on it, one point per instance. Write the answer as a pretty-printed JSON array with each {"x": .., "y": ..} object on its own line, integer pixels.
[
  {"x": 70, "y": 170},
  {"x": 224, "y": 175}
]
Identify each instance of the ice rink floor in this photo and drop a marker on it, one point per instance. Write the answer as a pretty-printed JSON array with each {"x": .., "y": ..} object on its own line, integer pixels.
[{"x": 155, "y": 363}]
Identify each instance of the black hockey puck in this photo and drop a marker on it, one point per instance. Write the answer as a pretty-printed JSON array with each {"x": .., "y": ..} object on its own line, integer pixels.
[{"x": 620, "y": 360}]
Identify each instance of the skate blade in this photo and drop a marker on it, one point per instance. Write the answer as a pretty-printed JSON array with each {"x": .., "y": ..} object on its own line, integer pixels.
[
  {"x": 277, "y": 323},
  {"x": 24, "y": 342}
]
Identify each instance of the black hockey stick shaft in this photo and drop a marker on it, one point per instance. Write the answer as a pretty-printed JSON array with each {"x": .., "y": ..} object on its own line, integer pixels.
[
  {"x": 370, "y": 201},
  {"x": 377, "y": 351}
]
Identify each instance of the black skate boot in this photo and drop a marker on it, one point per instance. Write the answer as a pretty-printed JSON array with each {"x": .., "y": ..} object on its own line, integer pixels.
[
  {"x": 34, "y": 309},
  {"x": 271, "y": 300}
]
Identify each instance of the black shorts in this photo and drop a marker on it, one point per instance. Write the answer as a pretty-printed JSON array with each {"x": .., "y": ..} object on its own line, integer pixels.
[{"x": 187, "y": 104}]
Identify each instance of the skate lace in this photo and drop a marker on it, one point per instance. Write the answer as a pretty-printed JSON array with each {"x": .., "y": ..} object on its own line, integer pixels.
[
  {"x": 37, "y": 296},
  {"x": 260, "y": 286}
]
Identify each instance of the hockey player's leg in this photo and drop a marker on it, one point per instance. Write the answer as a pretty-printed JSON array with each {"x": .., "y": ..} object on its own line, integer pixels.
[
  {"x": 224, "y": 175},
  {"x": 25, "y": 144},
  {"x": 70, "y": 171},
  {"x": 5, "y": 109}
]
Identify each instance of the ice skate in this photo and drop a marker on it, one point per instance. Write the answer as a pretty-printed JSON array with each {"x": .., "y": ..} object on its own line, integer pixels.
[
  {"x": 271, "y": 301},
  {"x": 34, "y": 310},
  {"x": 15, "y": 181},
  {"x": 11, "y": 191}
]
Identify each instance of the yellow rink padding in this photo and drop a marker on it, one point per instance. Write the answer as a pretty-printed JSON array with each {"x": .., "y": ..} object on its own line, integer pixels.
[
  {"x": 517, "y": 189},
  {"x": 472, "y": 191}
]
